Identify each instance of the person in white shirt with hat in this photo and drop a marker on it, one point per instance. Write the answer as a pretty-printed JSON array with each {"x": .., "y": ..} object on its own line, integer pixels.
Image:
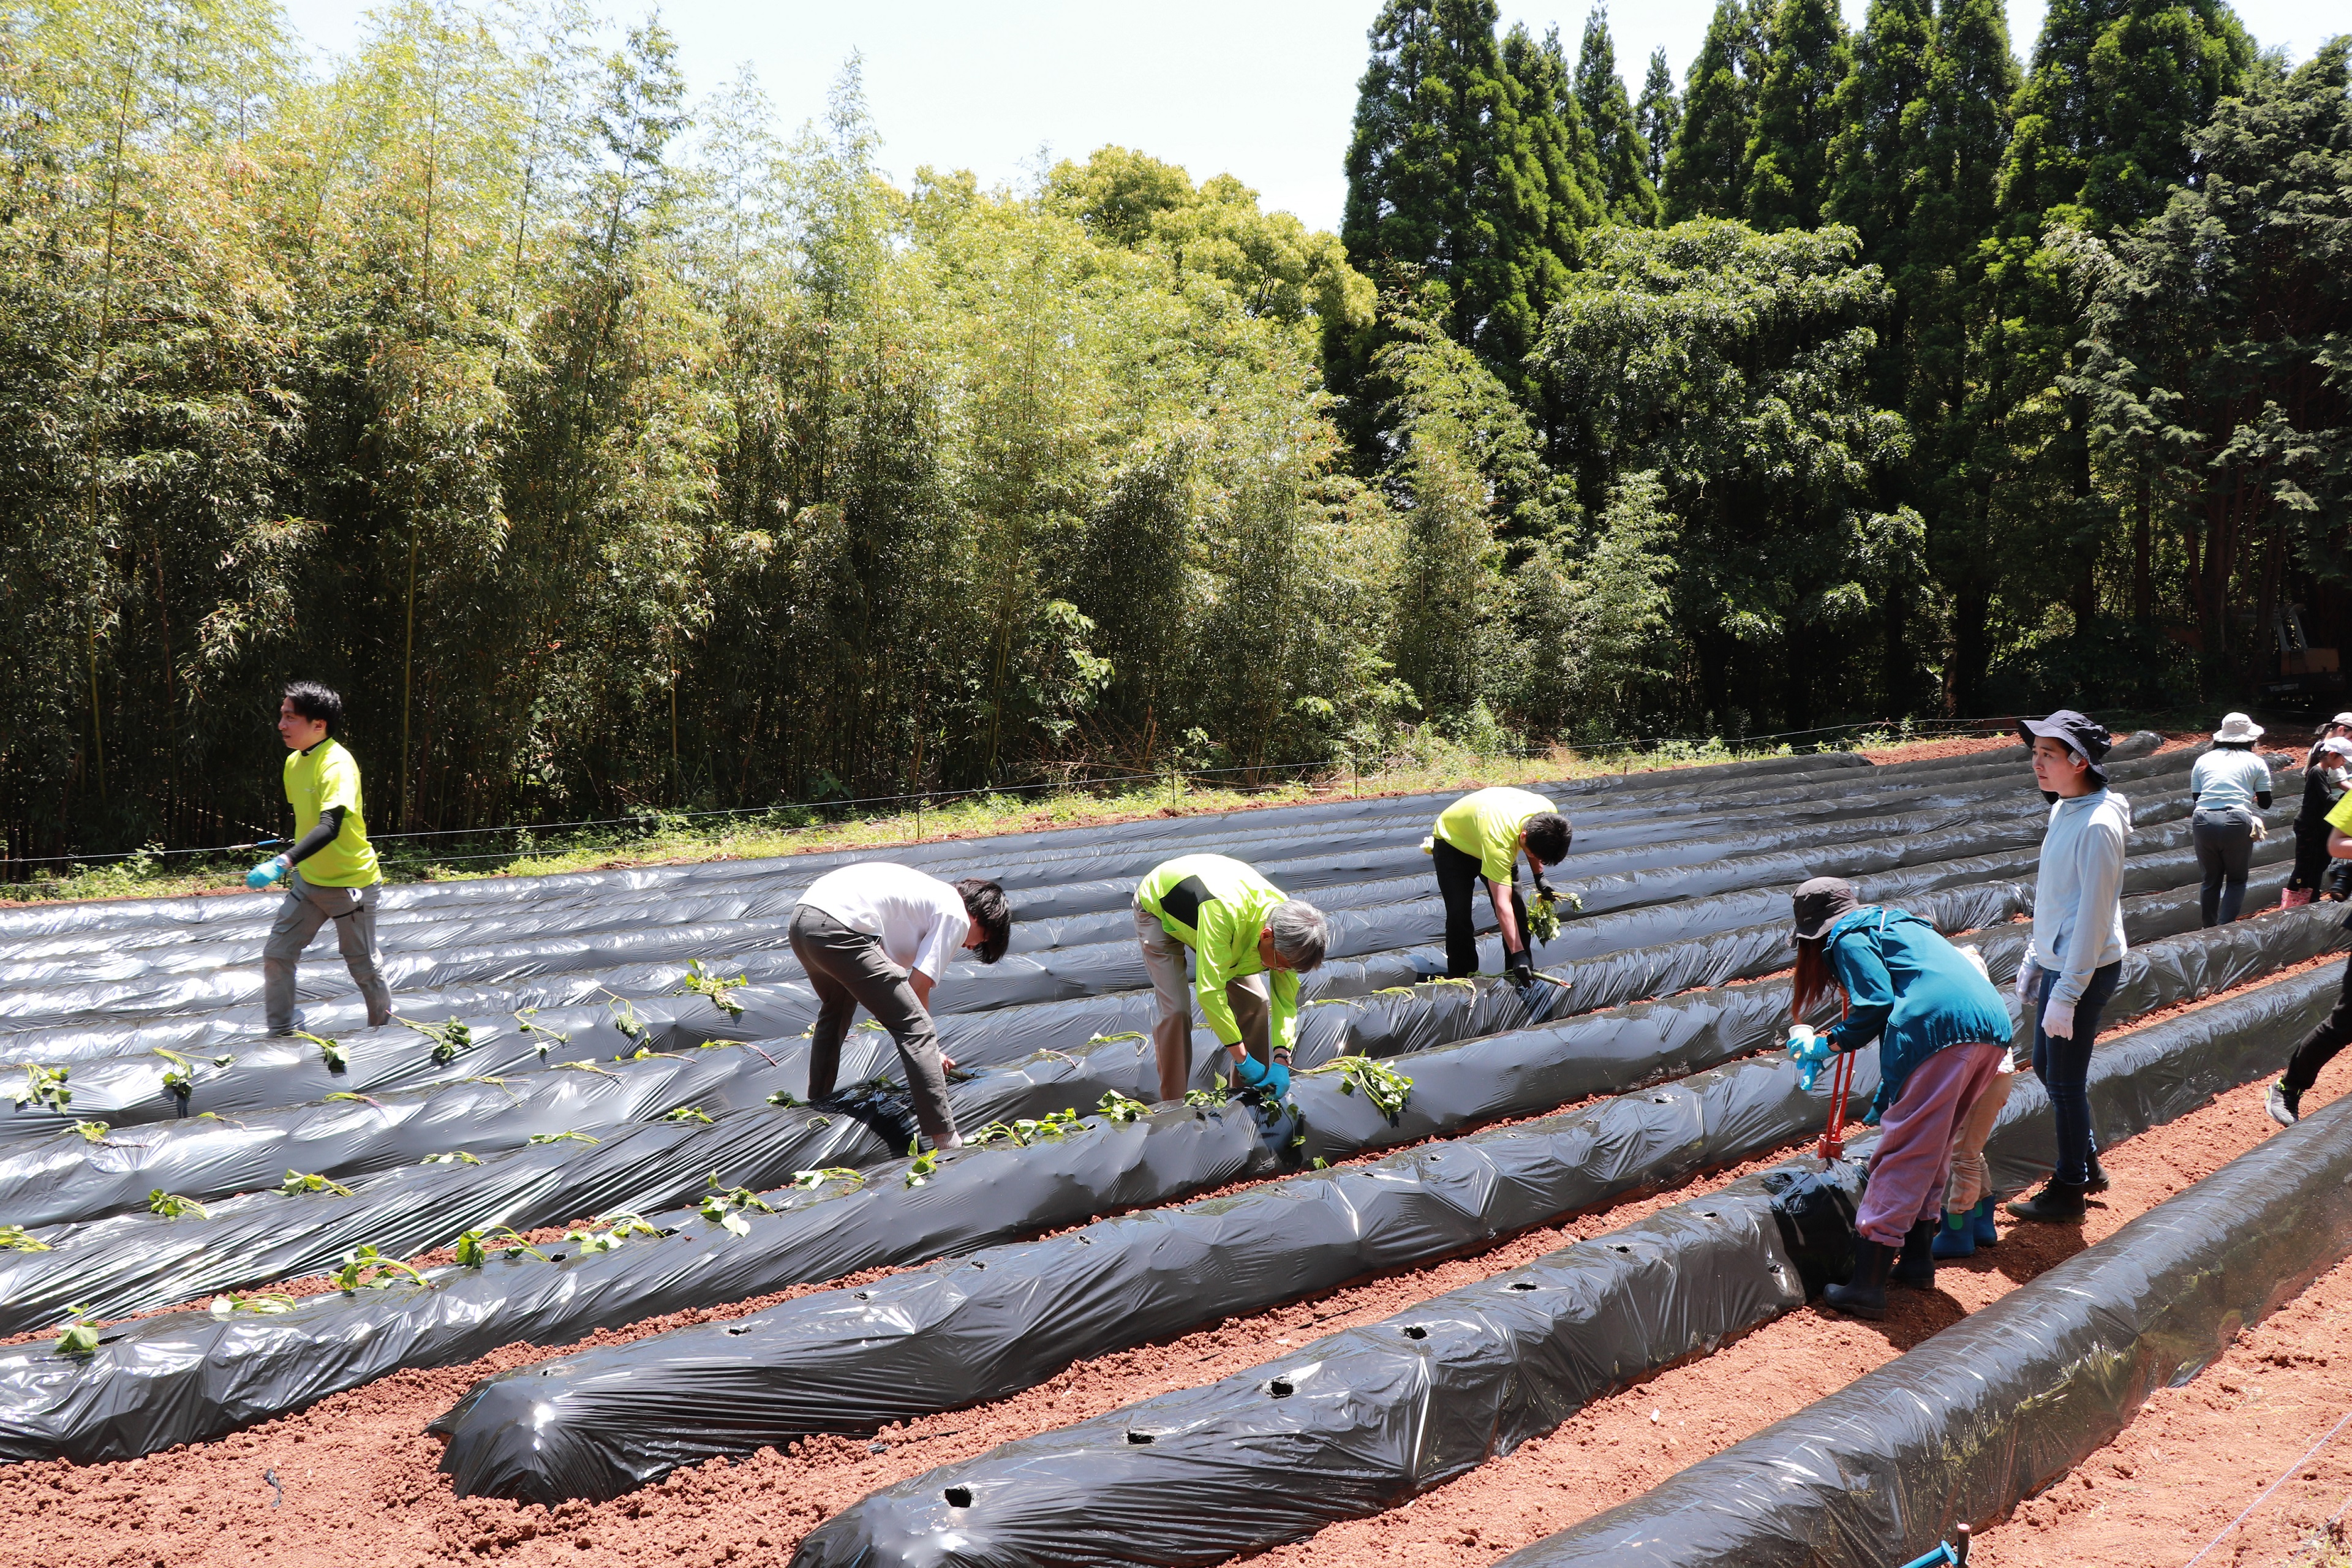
[
  {"x": 2229, "y": 789},
  {"x": 2326, "y": 770}
]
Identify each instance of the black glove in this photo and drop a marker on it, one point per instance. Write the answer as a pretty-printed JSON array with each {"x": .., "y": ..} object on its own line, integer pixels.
[
  {"x": 1521, "y": 967},
  {"x": 1544, "y": 889}
]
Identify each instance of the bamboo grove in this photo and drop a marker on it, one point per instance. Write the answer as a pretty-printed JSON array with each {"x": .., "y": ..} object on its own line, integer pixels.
[{"x": 610, "y": 445}]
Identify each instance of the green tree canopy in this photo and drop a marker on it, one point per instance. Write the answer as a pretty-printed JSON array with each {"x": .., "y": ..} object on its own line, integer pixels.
[
  {"x": 1660, "y": 113},
  {"x": 1706, "y": 167},
  {"x": 1617, "y": 141},
  {"x": 1807, "y": 58}
]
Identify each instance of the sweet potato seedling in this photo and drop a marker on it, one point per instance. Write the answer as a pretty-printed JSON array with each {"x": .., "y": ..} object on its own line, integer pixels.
[
  {"x": 475, "y": 1247},
  {"x": 1207, "y": 1098},
  {"x": 16, "y": 1238},
  {"x": 702, "y": 981},
  {"x": 172, "y": 1205},
  {"x": 449, "y": 1038},
  {"x": 546, "y": 1039},
  {"x": 80, "y": 1336},
  {"x": 617, "y": 1228},
  {"x": 1118, "y": 1110},
  {"x": 454, "y": 1157},
  {"x": 262, "y": 1303},
  {"x": 345, "y": 1094},
  {"x": 693, "y": 1113},
  {"x": 365, "y": 1269},
  {"x": 1056, "y": 1125},
  {"x": 44, "y": 1087},
  {"x": 1387, "y": 1088},
  {"x": 563, "y": 1137},
  {"x": 724, "y": 1206},
  {"x": 337, "y": 1059},
  {"x": 94, "y": 1132},
  {"x": 297, "y": 1183},
  {"x": 625, "y": 1016},
  {"x": 926, "y": 1165},
  {"x": 786, "y": 1099},
  {"x": 809, "y": 1181}
]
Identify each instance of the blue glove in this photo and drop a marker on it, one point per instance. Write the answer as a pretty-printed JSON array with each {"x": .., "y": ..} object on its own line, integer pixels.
[
  {"x": 1808, "y": 1047},
  {"x": 268, "y": 871},
  {"x": 1277, "y": 1081},
  {"x": 1249, "y": 1072}
]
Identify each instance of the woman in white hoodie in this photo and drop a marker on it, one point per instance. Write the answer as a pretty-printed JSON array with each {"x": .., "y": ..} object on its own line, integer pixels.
[{"x": 2077, "y": 956}]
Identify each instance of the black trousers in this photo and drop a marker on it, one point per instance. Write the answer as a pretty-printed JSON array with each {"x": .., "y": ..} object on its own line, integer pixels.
[
  {"x": 2319, "y": 1046},
  {"x": 2310, "y": 859},
  {"x": 1458, "y": 882},
  {"x": 2225, "y": 847}
]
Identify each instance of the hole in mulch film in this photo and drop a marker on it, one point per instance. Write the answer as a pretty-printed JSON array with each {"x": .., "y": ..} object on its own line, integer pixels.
[
  {"x": 1415, "y": 1331},
  {"x": 1280, "y": 1388},
  {"x": 958, "y": 1497},
  {"x": 1138, "y": 1439}
]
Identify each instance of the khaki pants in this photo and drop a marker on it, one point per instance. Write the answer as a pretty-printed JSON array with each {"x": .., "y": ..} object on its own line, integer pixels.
[
  {"x": 1972, "y": 1179},
  {"x": 1250, "y": 997},
  {"x": 306, "y": 909}
]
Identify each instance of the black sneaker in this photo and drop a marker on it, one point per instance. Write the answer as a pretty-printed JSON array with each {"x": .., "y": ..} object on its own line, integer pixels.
[
  {"x": 2284, "y": 1104},
  {"x": 2097, "y": 1181}
]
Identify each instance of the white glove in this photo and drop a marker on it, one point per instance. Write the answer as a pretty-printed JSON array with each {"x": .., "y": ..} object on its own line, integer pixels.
[
  {"x": 2262, "y": 828},
  {"x": 2058, "y": 1020},
  {"x": 2029, "y": 980}
]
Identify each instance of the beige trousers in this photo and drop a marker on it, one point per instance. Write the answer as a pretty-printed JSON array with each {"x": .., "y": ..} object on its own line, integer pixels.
[
  {"x": 1972, "y": 1179},
  {"x": 1171, "y": 1033}
]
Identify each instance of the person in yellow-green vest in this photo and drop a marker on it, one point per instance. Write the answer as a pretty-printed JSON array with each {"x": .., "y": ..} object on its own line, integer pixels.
[
  {"x": 1250, "y": 944},
  {"x": 330, "y": 866},
  {"x": 1481, "y": 834}
]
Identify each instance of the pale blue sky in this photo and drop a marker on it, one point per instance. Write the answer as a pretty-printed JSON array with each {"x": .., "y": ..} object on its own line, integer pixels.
[{"x": 1262, "y": 89}]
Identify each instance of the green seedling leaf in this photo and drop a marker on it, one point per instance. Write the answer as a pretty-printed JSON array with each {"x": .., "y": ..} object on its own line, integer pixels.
[
  {"x": 95, "y": 1131},
  {"x": 16, "y": 1238},
  {"x": 80, "y": 1337},
  {"x": 586, "y": 1067},
  {"x": 785, "y": 1098},
  {"x": 1114, "y": 1039},
  {"x": 44, "y": 1087},
  {"x": 263, "y": 1302},
  {"x": 172, "y": 1205},
  {"x": 1118, "y": 1109},
  {"x": 449, "y": 1038},
  {"x": 617, "y": 1229},
  {"x": 337, "y": 1059},
  {"x": 926, "y": 1165},
  {"x": 454, "y": 1157},
  {"x": 688, "y": 1113},
  {"x": 724, "y": 1206},
  {"x": 1025, "y": 1131},
  {"x": 560, "y": 1137},
  {"x": 296, "y": 1183},
  {"x": 703, "y": 982},
  {"x": 1207, "y": 1098},
  {"x": 1387, "y": 1088},
  {"x": 356, "y": 1098}
]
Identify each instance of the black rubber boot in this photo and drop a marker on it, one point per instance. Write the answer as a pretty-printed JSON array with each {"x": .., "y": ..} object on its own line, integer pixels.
[
  {"x": 1864, "y": 1295},
  {"x": 2060, "y": 1202},
  {"x": 2098, "y": 1181},
  {"x": 1917, "y": 1267}
]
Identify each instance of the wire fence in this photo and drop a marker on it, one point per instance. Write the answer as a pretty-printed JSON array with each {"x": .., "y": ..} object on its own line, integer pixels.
[{"x": 1261, "y": 778}]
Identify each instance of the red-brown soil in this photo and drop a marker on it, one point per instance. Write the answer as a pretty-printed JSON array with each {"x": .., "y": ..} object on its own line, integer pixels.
[
  {"x": 2201, "y": 1454},
  {"x": 1617, "y": 1449},
  {"x": 359, "y": 1479}
]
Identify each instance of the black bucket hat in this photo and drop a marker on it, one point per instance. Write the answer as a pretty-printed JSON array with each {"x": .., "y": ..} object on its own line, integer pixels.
[
  {"x": 1820, "y": 902},
  {"x": 2085, "y": 737}
]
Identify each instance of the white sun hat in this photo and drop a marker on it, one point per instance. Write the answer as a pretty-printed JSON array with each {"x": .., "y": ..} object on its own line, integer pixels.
[{"x": 2236, "y": 729}]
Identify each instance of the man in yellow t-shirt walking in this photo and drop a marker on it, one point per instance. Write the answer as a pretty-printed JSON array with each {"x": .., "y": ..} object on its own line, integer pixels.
[
  {"x": 332, "y": 865},
  {"x": 1481, "y": 834}
]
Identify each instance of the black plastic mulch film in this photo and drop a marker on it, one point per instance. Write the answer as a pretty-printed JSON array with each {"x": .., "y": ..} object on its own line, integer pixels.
[
  {"x": 929, "y": 1240},
  {"x": 567, "y": 975},
  {"x": 1366, "y": 1419}
]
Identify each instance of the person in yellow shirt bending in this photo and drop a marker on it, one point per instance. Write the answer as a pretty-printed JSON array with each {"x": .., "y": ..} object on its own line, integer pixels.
[
  {"x": 332, "y": 865},
  {"x": 1482, "y": 835},
  {"x": 1250, "y": 944}
]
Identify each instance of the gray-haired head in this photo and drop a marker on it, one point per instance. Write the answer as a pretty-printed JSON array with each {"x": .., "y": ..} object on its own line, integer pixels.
[{"x": 1299, "y": 933}]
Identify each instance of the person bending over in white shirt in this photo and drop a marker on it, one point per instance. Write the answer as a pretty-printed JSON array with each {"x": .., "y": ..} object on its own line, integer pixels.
[
  {"x": 878, "y": 936},
  {"x": 2229, "y": 789}
]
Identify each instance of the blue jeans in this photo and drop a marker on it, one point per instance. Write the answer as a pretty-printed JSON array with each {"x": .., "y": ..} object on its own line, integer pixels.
[{"x": 2064, "y": 1069}]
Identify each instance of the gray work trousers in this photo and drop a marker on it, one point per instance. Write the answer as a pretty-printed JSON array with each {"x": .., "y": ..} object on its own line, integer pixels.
[
  {"x": 848, "y": 970},
  {"x": 303, "y": 910},
  {"x": 1249, "y": 995}
]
